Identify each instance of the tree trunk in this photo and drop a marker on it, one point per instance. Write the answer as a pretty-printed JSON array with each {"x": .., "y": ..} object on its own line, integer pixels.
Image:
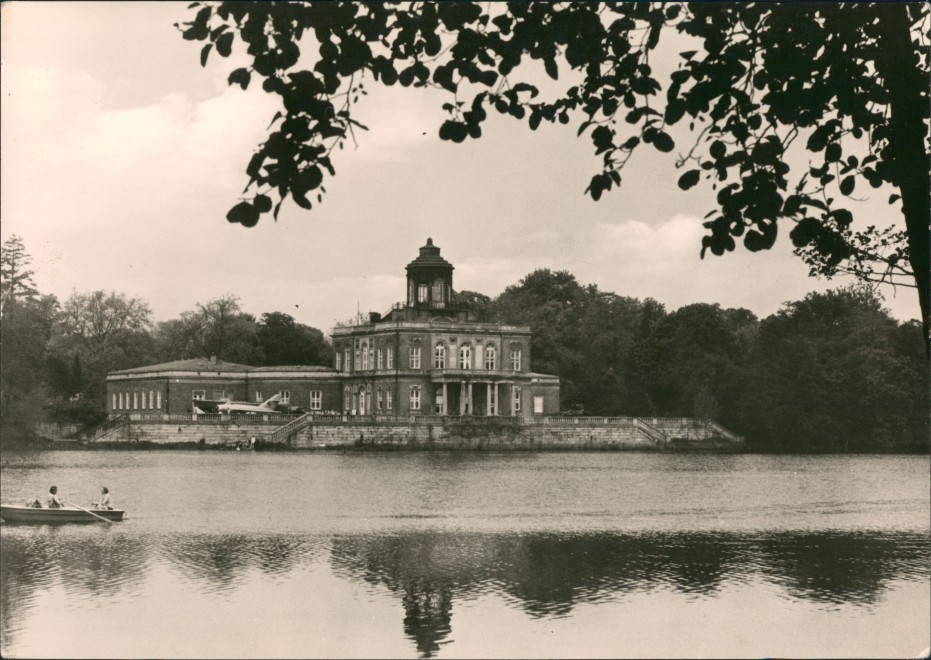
[{"x": 898, "y": 65}]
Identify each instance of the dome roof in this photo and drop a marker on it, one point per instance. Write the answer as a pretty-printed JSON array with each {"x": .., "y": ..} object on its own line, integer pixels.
[{"x": 429, "y": 258}]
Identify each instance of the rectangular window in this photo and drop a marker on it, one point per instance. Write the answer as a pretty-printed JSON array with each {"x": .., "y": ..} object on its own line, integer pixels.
[
  {"x": 135, "y": 400},
  {"x": 372, "y": 357},
  {"x": 347, "y": 399},
  {"x": 113, "y": 406},
  {"x": 538, "y": 405},
  {"x": 415, "y": 357},
  {"x": 316, "y": 400},
  {"x": 388, "y": 399},
  {"x": 422, "y": 293},
  {"x": 515, "y": 359},
  {"x": 439, "y": 357},
  {"x": 346, "y": 363},
  {"x": 258, "y": 397},
  {"x": 357, "y": 360},
  {"x": 378, "y": 399},
  {"x": 218, "y": 394},
  {"x": 365, "y": 358},
  {"x": 390, "y": 357},
  {"x": 285, "y": 396},
  {"x": 158, "y": 399},
  {"x": 415, "y": 397},
  {"x": 339, "y": 359},
  {"x": 151, "y": 399},
  {"x": 516, "y": 399},
  {"x": 381, "y": 359}
]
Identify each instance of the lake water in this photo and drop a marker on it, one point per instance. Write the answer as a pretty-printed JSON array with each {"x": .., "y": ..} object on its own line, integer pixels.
[{"x": 228, "y": 554}]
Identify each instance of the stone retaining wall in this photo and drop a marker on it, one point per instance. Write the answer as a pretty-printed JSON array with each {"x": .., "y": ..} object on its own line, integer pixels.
[{"x": 565, "y": 434}]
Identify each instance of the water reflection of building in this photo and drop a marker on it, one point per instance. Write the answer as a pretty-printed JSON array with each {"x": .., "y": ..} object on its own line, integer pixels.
[
  {"x": 548, "y": 574},
  {"x": 426, "y": 356}
]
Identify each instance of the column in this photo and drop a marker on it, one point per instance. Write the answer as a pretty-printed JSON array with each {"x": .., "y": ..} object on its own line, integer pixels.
[
  {"x": 445, "y": 401},
  {"x": 471, "y": 407},
  {"x": 497, "y": 400},
  {"x": 487, "y": 399},
  {"x": 462, "y": 398}
]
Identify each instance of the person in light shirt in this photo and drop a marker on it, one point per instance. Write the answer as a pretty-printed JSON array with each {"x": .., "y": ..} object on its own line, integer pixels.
[
  {"x": 104, "y": 502},
  {"x": 54, "y": 502}
]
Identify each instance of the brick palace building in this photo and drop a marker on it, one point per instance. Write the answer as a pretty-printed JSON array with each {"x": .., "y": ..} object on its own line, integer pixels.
[{"x": 427, "y": 356}]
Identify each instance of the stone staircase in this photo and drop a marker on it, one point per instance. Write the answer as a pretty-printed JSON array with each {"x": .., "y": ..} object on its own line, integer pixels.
[
  {"x": 107, "y": 429},
  {"x": 283, "y": 434}
]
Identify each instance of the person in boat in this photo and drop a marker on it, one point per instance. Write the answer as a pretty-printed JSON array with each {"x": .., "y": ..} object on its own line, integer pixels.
[
  {"x": 104, "y": 502},
  {"x": 54, "y": 502}
]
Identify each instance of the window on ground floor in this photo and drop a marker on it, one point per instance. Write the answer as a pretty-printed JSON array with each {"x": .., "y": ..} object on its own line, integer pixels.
[
  {"x": 516, "y": 396},
  {"x": 415, "y": 397},
  {"x": 316, "y": 400}
]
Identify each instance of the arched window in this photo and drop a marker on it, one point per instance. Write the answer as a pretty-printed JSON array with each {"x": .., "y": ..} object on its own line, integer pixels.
[
  {"x": 465, "y": 357},
  {"x": 365, "y": 355},
  {"x": 491, "y": 357},
  {"x": 439, "y": 357}
]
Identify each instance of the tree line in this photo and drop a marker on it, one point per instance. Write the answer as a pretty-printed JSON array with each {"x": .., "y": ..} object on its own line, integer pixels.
[
  {"x": 831, "y": 372},
  {"x": 56, "y": 354}
]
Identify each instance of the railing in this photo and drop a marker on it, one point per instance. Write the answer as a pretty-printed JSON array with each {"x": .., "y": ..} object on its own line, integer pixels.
[
  {"x": 106, "y": 428},
  {"x": 487, "y": 327},
  {"x": 244, "y": 419}
]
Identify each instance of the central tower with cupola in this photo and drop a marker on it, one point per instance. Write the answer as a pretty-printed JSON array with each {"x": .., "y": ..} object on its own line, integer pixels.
[{"x": 429, "y": 279}]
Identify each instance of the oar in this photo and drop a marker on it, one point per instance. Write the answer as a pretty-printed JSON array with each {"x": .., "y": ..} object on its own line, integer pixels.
[{"x": 109, "y": 522}]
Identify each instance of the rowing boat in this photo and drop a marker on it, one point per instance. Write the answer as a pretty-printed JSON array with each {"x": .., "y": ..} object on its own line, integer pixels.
[{"x": 12, "y": 513}]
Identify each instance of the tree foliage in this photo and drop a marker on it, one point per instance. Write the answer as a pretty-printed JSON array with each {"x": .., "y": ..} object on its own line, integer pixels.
[
  {"x": 16, "y": 283},
  {"x": 844, "y": 85},
  {"x": 283, "y": 341},
  {"x": 834, "y": 372},
  {"x": 216, "y": 328},
  {"x": 95, "y": 333}
]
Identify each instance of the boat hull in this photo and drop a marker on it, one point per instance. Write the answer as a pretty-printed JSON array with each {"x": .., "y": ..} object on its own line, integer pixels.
[{"x": 28, "y": 515}]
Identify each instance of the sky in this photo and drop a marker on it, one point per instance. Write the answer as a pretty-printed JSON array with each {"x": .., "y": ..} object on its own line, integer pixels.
[{"x": 121, "y": 156}]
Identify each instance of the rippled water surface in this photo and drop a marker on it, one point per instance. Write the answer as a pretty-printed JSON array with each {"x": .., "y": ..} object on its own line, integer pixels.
[{"x": 470, "y": 555}]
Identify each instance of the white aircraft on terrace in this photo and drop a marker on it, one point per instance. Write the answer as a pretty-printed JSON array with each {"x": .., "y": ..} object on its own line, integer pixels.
[{"x": 204, "y": 406}]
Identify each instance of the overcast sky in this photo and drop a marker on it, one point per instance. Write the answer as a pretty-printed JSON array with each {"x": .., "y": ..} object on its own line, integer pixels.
[{"x": 121, "y": 157}]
